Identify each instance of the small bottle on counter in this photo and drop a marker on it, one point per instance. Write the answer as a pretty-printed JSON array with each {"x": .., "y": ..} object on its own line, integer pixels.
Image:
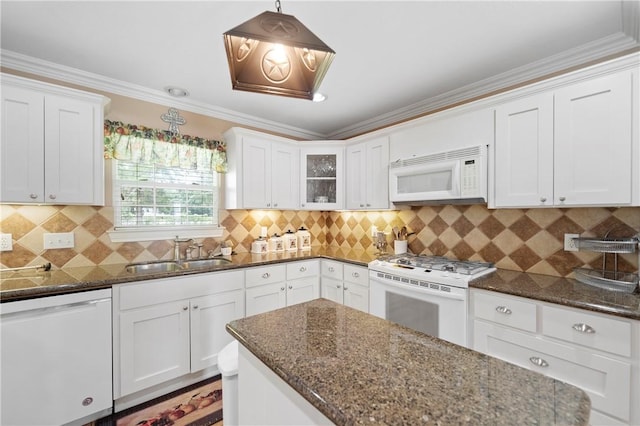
[
  {"x": 290, "y": 241},
  {"x": 304, "y": 239},
  {"x": 276, "y": 243}
]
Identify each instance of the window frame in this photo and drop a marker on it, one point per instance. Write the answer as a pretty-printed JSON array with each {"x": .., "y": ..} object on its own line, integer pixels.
[{"x": 156, "y": 232}]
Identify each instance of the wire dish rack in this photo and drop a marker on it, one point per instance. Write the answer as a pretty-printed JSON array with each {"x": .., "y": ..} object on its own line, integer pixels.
[{"x": 608, "y": 279}]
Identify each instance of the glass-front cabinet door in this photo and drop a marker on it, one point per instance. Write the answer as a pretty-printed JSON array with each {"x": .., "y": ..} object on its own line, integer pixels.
[{"x": 322, "y": 178}]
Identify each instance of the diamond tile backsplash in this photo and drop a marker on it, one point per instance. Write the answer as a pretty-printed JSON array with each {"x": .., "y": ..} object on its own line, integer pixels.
[{"x": 528, "y": 240}]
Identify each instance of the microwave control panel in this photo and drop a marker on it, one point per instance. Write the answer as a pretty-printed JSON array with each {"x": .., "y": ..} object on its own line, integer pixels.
[{"x": 469, "y": 179}]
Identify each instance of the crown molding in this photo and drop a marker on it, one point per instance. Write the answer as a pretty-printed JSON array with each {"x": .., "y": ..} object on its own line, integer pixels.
[
  {"x": 584, "y": 55},
  {"x": 589, "y": 53},
  {"x": 28, "y": 64}
]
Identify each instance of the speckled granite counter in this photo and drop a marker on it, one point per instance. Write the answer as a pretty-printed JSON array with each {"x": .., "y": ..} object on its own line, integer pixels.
[
  {"x": 359, "y": 369},
  {"x": 29, "y": 284},
  {"x": 562, "y": 291}
]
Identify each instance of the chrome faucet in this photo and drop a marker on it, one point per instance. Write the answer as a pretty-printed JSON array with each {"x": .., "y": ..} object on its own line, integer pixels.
[{"x": 176, "y": 246}]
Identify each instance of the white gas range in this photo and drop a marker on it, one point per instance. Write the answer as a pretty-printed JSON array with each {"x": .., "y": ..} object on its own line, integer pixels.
[{"x": 426, "y": 293}]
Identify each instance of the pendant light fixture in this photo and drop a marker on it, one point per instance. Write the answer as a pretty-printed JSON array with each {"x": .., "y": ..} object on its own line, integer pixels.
[{"x": 274, "y": 53}]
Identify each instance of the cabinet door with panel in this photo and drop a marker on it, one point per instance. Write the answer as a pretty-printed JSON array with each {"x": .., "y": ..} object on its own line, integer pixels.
[
  {"x": 167, "y": 328},
  {"x": 356, "y": 287},
  {"x": 263, "y": 171},
  {"x": 303, "y": 281},
  {"x": 571, "y": 146},
  {"x": 50, "y": 136},
  {"x": 593, "y": 141},
  {"x": 322, "y": 170},
  {"x": 367, "y": 175}
]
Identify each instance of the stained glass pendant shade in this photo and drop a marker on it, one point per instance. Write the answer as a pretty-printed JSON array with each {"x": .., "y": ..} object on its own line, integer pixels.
[{"x": 276, "y": 54}]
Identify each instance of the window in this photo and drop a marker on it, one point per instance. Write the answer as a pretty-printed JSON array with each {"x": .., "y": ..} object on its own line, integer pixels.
[{"x": 162, "y": 189}]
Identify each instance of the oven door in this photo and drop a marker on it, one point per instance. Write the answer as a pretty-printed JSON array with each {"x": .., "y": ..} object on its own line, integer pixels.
[{"x": 436, "y": 312}]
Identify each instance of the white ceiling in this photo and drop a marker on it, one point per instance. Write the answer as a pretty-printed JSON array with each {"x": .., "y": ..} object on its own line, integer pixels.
[{"x": 394, "y": 59}]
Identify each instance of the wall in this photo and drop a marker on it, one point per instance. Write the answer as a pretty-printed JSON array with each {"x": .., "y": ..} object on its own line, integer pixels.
[
  {"x": 517, "y": 239},
  {"x": 528, "y": 240}
]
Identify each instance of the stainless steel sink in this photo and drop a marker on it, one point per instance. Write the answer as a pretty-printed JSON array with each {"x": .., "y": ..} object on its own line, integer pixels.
[
  {"x": 205, "y": 263},
  {"x": 172, "y": 266},
  {"x": 153, "y": 267}
]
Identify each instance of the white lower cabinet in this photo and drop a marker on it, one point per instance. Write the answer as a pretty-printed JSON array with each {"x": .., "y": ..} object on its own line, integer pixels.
[
  {"x": 589, "y": 350},
  {"x": 56, "y": 359},
  {"x": 277, "y": 286},
  {"x": 346, "y": 284},
  {"x": 167, "y": 328}
]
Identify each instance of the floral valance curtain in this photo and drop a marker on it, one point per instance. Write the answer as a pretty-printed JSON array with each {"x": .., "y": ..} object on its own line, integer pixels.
[{"x": 141, "y": 144}]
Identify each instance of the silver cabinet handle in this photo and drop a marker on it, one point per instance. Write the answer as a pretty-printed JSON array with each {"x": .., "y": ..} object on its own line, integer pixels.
[
  {"x": 583, "y": 328},
  {"x": 503, "y": 310},
  {"x": 290, "y": 287},
  {"x": 361, "y": 205},
  {"x": 537, "y": 361},
  {"x": 184, "y": 308},
  {"x": 561, "y": 198},
  {"x": 282, "y": 288},
  {"x": 87, "y": 401},
  {"x": 52, "y": 196},
  {"x": 195, "y": 306},
  {"x": 337, "y": 285},
  {"x": 33, "y": 196},
  {"x": 275, "y": 204},
  {"x": 266, "y": 275},
  {"x": 268, "y": 204},
  {"x": 543, "y": 199},
  {"x": 331, "y": 269},
  {"x": 368, "y": 205},
  {"x": 355, "y": 275},
  {"x": 345, "y": 288},
  {"x": 303, "y": 269}
]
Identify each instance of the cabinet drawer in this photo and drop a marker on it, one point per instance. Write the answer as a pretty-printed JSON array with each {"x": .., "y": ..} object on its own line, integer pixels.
[
  {"x": 264, "y": 275},
  {"x": 503, "y": 310},
  {"x": 331, "y": 269},
  {"x": 308, "y": 268},
  {"x": 356, "y": 274},
  {"x": 607, "y": 381},
  {"x": 595, "y": 331}
]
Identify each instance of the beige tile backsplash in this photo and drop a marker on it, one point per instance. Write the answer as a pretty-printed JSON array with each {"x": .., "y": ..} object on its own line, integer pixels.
[{"x": 518, "y": 239}]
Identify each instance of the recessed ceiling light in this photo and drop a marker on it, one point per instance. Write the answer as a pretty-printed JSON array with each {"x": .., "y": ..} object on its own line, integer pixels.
[
  {"x": 176, "y": 91},
  {"x": 319, "y": 97}
]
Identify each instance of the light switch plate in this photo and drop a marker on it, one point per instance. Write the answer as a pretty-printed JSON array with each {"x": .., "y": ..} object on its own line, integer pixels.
[
  {"x": 58, "y": 240},
  {"x": 6, "y": 242}
]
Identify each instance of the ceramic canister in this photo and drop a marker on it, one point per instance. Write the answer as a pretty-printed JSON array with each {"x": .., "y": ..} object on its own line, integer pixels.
[
  {"x": 304, "y": 239},
  {"x": 290, "y": 241},
  {"x": 276, "y": 243},
  {"x": 259, "y": 246}
]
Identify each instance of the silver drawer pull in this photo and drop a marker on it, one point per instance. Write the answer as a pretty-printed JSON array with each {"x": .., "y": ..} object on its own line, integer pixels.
[
  {"x": 538, "y": 361},
  {"x": 331, "y": 269},
  {"x": 503, "y": 310},
  {"x": 282, "y": 288},
  {"x": 355, "y": 275},
  {"x": 266, "y": 275},
  {"x": 33, "y": 196},
  {"x": 303, "y": 269},
  {"x": 87, "y": 401},
  {"x": 583, "y": 328}
]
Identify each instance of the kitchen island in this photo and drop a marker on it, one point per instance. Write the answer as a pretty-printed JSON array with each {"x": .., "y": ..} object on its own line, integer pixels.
[{"x": 355, "y": 368}]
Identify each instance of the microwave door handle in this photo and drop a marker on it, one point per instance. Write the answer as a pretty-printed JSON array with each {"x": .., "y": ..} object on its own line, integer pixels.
[{"x": 455, "y": 183}]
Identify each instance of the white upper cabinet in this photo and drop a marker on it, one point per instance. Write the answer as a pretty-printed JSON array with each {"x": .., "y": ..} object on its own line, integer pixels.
[
  {"x": 51, "y": 149},
  {"x": 322, "y": 177},
  {"x": 569, "y": 147},
  {"x": 264, "y": 171},
  {"x": 367, "y": 174}
]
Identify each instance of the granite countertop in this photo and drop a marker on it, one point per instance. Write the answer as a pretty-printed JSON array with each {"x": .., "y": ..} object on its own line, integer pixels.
[
  {"x": 31, "y": 284},
  {"x": 359, "y": 369},
  {"x": 563, "y": 291}
]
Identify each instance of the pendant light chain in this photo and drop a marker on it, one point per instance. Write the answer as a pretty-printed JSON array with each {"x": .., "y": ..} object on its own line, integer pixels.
[{"x": 278, "y": 7}]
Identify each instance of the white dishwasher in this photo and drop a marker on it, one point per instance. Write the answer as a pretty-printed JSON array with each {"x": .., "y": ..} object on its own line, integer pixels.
[{"x": 56, "y": 359}]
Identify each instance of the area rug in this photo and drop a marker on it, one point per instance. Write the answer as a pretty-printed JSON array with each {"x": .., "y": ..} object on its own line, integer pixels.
[{"x": 196, "y": 405}]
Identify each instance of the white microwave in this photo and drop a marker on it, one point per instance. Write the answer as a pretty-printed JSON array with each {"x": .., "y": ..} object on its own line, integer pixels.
[{"x": 451, "y": 177}]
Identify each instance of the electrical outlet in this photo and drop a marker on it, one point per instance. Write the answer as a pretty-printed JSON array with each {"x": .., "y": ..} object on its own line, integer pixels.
[
  {"x": 6, "y": 242},
  {"x": 59, "y": 240},
  {"x": 569, "y": 242},
  {"x": 374, "y": 231}
]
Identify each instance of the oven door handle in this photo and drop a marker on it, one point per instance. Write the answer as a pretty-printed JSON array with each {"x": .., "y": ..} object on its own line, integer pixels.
[{"x": 459, "y": 293}]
